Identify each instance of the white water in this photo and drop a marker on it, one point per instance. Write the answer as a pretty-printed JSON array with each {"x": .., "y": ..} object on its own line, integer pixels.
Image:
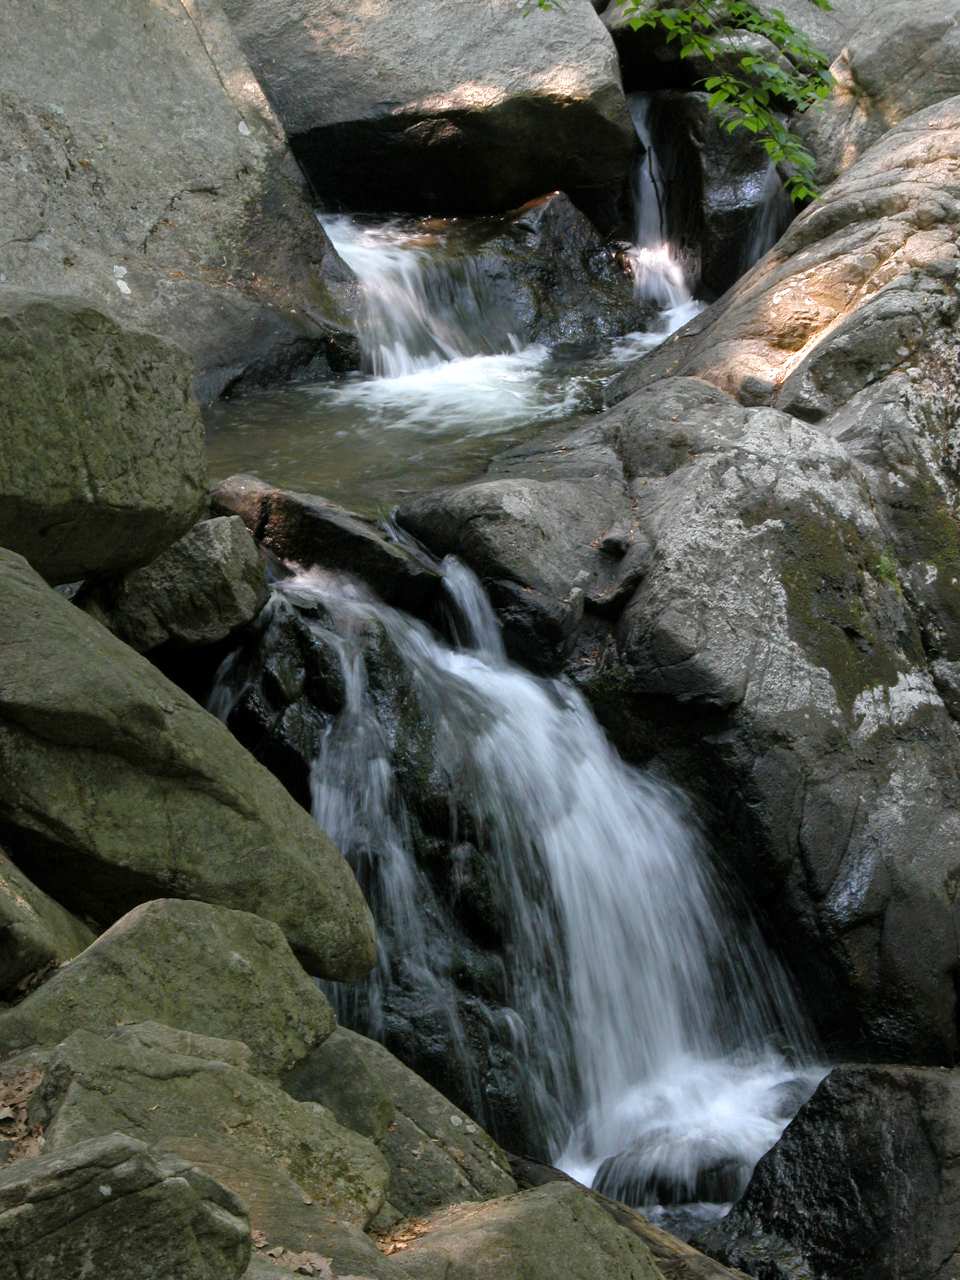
[
  {"x": 658, "y": 273},
  {"x": 649, "y": 1023},
  {"x": 430, "y": 337}
]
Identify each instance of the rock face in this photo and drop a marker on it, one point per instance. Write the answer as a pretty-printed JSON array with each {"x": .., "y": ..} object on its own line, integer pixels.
[
  {"x": 199, "y": 968},
  {"x": 103, "y": 463},
  {"x": 862, "y": 1184},
  {"x": 154, "y": 182},
  {"x": 35, "y": 931},
  {"x": 432, "y": 109},
  {"x": 243, "y": 1131},
  {"x": 437, "y": 1155},
  {"x": 906, "y": 58},
  {"x": 314, "y": 532},
  {"x": 546, "y": 275},
  {"x": 525, "y": 1237},
  {"x": 768, "y": 573},
  {"x": 197, "y": 592},
  {"x": 103, "y": 1206},
  {"x": 115, "y": 787}
]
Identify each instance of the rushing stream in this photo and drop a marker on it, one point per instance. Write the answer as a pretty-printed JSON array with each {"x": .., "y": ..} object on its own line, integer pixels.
[
  {"x": 656, "y": 1046},
  {"x": 648, "y": 1040}
]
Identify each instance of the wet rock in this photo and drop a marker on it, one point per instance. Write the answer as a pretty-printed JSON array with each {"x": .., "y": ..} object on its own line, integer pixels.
[
  {"x": 307, "y": 1183},
  {"x": 906, "y": 58},
  {"x": 35, "y": 932},
  {"x": 432, "y": 110},
  {"x": 314, "y": 532},
  {"x": 154, "y": 182},
  {"x": 548, "y": 276},
  {"x": 671, "y": 1171},
  {"x": 199, "y": 968},
  {"x": 103, "y": 463},
  {"x": 197, "y": 592},
  {"x": 116, "y": 787},
  {"x": 525, "y": 1237},
  {"x": 437, "y": 1155},
  {"x": 862, "y": 1184},
  {"x": 102, "y": 1206}
]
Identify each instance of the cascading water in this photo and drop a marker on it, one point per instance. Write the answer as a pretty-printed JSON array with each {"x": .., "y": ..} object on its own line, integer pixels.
[
  {"x": 657, "y": 1046},
  {"x": 658, "y": 273}
]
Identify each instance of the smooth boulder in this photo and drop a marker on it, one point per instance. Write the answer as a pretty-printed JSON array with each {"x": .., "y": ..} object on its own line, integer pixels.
[
  {"x": 529, "y": 1236},
  {"x": 198, "y": 968},
  {"x": 154, "y": 182},
  {"x": 104, "y": 1206},
  {"x": 431, "y": 108},
  {"x": 437, "y": 1155},
  {"x": 35, "y": 932},
  {"x": 209, "y": 583},
  {"x": 289, "y": 1162},
  {"x": 863, "y": 1185},
  {"x": 116, "y": 787},
  {"x": 103, "y": 463}
]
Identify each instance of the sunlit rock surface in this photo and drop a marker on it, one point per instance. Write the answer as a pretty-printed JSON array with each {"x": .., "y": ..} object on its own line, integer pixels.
[
  {"x": 153, "y": 180},
  {"x": 437, "y": 107}
]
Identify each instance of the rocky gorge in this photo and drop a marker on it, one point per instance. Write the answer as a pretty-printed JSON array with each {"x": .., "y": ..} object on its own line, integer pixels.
[{"x": 480, "y": 649}]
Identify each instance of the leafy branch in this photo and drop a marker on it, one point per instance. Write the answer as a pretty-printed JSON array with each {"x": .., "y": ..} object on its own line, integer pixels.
[{"x": 750, "y": 90}]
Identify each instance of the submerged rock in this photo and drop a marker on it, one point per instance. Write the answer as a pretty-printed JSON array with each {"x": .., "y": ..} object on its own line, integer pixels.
[
  {"x": 154, "y": 182},
  {"x": 102, "y": 464},
  {"x": 435, "y": 109},
  {"x": 205, "y": 586},
  {"x": 103, "y": 1206},
  {"x": 116, "y": 787},
  {"x": 862, "y": 1185},
  {"x": 202, "y": 969}
]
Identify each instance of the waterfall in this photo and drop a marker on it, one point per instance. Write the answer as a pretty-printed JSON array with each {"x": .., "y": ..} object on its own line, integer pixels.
[
  {"x": 657, "y": 1046},
  {"x": 658, "y": 273}
]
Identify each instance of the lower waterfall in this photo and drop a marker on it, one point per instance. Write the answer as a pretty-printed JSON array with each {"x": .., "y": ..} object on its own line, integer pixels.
[{"x": 655, "y": 1044}]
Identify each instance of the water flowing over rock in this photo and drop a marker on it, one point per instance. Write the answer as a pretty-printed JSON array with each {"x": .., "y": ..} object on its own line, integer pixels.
[
  {"x": 480, "y": 806},
  {"x": 154, "y": 182},
  {"x": 102, "y": 464},
  {"x": 779, "y": 647},
  {"x": 862, "y": 1186},
  {"x": 429, "y": 108},
  {"x": 115, "y": 787}
]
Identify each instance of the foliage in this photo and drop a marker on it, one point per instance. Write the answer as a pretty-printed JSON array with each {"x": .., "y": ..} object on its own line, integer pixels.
[{"x": 750, "y": 89}]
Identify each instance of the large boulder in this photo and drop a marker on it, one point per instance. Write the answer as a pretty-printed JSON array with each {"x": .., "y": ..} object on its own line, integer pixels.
[
  {"x": 906, "y": 58},
  {"x": 209, "y": 583},
  {"x": 863, "y": 1185},
  {"x": 437, "y": 1155},
  {"x": 35, "y": 932},
  {"x": 535, "y": 1235},
  {"x": 115, "y": 787},
  {"x": 153, "y": 181},
  {"x": 103, "y": 464},
  {"x": 105, "y": 1206},
  {"x": 199, "y": 968},
  {"x": 786, "y": 639},
  {"x": 432, "y": 108},
  {"x": 289, "y": 1162}
]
